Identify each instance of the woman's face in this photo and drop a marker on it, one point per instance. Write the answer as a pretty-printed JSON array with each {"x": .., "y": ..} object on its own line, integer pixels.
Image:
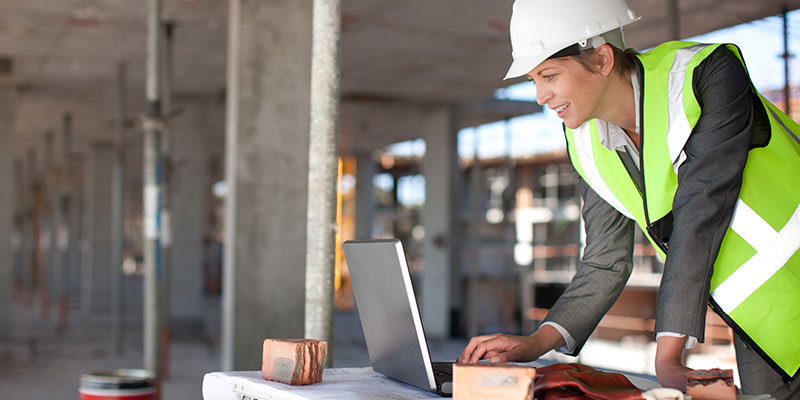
[{"x": 565, "y": 86}]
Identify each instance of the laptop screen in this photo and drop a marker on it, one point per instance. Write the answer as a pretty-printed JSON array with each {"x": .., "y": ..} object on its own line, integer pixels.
[{"x": 388, "y": 311}]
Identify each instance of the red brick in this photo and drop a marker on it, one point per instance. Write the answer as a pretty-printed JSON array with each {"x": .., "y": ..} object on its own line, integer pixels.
[
  {"x": 492, "y": 381},
  {"x": 711, "y": 384},
  {"x": 294, "y": 361}
]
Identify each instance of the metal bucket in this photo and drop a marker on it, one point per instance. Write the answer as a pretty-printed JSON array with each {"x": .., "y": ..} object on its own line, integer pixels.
[{"x": 118, "y": 384}]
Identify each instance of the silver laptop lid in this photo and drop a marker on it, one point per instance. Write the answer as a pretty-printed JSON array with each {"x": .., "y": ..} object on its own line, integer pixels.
[{"x": 388, "y": 311}]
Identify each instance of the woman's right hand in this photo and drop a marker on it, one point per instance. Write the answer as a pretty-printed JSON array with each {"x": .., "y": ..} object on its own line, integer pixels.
[{"x": 500, "y": 348}]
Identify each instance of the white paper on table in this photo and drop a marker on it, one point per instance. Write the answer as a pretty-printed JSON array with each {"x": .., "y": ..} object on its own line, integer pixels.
[{"x": 338, "y": 383}]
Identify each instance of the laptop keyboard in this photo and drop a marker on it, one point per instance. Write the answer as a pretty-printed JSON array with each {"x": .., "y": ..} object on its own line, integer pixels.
[
  {"x": 443, "y": 375},
  {"x": 442, "y": 371}
]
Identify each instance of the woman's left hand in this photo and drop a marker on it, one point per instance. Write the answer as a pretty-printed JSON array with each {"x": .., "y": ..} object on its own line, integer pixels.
[{"x": 669, "y": 365}]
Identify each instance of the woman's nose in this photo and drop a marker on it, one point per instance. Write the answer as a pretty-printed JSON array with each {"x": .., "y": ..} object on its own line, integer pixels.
[{"x": 542, "y": 95}]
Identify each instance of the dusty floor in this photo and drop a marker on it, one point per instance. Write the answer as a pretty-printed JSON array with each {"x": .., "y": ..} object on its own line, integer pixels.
[{"x": 39, "y": 362}]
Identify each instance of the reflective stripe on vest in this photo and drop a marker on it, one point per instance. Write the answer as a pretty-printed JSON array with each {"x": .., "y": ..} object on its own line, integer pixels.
[
  {"x": 756, "y": 275},
  {"x": 586, "y": 152},
  {"x": 773, "y": 250},
  {"x": 679, "y": 126}
]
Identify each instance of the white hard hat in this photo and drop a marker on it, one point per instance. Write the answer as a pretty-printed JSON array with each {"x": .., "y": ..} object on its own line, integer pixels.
[{"x": 541, "y": 28}]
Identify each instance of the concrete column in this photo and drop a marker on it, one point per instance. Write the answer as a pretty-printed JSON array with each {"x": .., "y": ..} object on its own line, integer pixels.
[
  {"x": 188, "y": 180},
  {"x": 97, "y": 280},
  {"x": 6, "y": 206},
  {"x": 268, "y": 95},
  {"x": 365, "y": 195},
  {"x": 439, "y": 168}
]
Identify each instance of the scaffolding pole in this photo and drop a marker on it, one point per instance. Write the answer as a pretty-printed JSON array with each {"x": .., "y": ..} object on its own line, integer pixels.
[
  {"x": 322, "y": 170},
  {"x": 64, "y": 202},
  {"x": 476, "y": 220},
  {"x": 786, "y": 56},
  {"x": 152, "y": 193},
  {"x": 675, "y": 19},
  {"x": 51, "y": 207},
  {"x": 19, "y": 224},
  {"x": 117, "y": 215},
  {"x": 165, "y": 66},
  {"x": 31, "y": 260}
]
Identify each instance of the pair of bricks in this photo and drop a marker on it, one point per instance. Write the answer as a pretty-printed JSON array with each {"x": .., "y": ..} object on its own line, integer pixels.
[{"x": 294, "y": 361}]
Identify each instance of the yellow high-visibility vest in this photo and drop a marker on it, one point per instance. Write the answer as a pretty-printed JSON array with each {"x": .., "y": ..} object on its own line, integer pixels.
[{"x": 755, "y": 286}]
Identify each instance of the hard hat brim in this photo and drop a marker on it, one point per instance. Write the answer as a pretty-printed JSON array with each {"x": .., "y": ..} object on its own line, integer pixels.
[{"x": 523, "y": 65}]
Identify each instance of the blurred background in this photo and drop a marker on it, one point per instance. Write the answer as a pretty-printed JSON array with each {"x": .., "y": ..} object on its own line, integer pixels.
[{"x": 189, "y": 166}]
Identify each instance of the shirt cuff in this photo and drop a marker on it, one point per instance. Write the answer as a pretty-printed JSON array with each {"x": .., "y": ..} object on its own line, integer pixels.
[
  {"x": 569, "y": 345},
  {"x": 691, "y": 341}
]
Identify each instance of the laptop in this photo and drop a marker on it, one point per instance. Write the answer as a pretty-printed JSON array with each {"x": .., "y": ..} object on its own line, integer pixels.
[{"x": 390, "y": 316}]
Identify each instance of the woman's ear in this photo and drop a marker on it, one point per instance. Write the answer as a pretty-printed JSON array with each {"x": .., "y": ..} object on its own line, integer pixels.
[{"x": 605, "y": 59}]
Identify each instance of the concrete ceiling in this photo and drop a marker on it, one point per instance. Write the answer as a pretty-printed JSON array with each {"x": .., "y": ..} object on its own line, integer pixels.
[{"x": 398, "y": 57}]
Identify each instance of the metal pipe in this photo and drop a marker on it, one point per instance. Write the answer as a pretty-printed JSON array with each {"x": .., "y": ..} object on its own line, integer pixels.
[
  {"x": 231, "y": 154},
  {"x": 152, "y": 191},
  {"x": 322, "y": 167},
  {"x": 46, "y": 286},
  {"x": 8, "y": 176},
  {"x": 78, "y": 232},
  {"x": 166, "y": 193},
  {"x": 509, "y": 234},
  {"x": 117, "y": 215},
  {"x": 29, "y": 260},
  {"x": 19, "y": 235},
  {"x": 786, "y": 57},
  {"x": 474, "y": 238},
  {"x": 64, "y": 200},
  {"x": 675, "y": 19}
]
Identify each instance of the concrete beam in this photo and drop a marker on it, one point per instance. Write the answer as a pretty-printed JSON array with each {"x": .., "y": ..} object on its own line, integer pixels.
[{"x": 371, "y": 123}]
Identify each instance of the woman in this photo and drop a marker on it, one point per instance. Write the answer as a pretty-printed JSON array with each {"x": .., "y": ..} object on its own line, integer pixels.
[{"x": 677, "y": 141}]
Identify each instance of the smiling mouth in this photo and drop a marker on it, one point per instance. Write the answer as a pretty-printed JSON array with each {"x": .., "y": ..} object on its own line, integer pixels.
[{"x": 561, "y": 108}]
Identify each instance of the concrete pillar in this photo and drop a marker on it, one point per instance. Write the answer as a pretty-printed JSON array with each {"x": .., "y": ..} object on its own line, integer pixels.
[
  {"x": 365, "y": 195},
  {"x": 268, "y": 105},
  {"x": 188, "y": 180},
  {"x": 6, "y": 206},
  {"x": 97, "y": 280},
  {"x": 439, "y": 167}
]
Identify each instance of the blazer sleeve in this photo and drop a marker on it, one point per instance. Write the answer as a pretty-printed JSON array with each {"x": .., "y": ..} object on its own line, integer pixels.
[
  {"x": 602, "y": 272},
  {"x": 708, "y": 187}
]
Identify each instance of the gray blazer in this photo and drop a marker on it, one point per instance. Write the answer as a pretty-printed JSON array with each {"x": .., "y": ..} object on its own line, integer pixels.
[{"x": 708, "y": 186}]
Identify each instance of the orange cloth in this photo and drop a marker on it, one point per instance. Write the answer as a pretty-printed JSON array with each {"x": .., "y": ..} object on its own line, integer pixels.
[{"x": 577, "y": 381}]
